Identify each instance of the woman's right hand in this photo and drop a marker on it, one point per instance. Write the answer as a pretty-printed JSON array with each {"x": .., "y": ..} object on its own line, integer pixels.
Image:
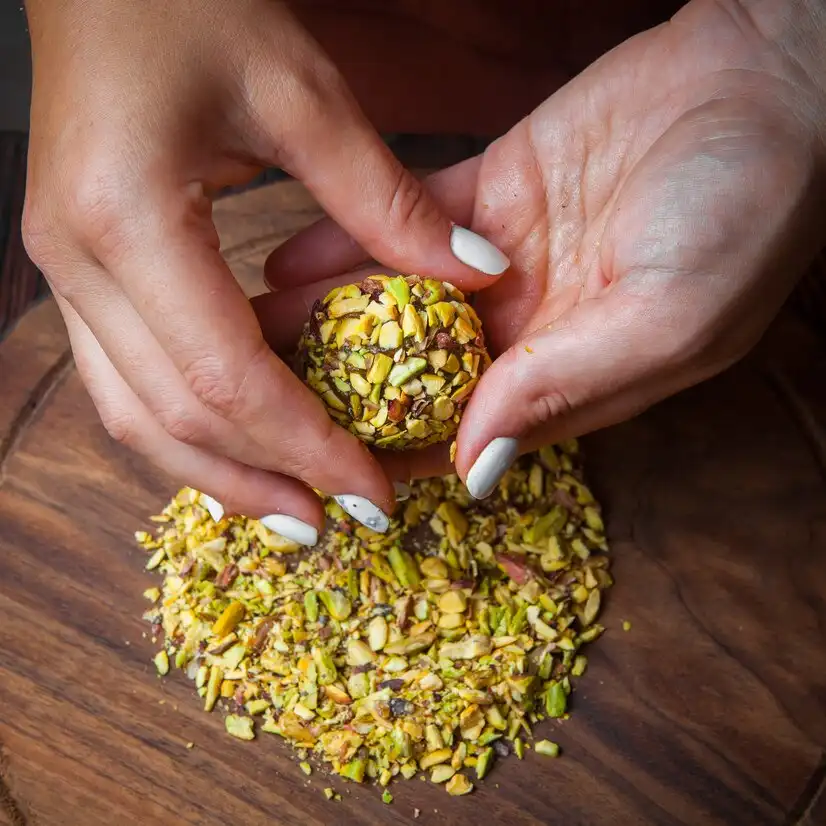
[{"x": 141, "y": 110}]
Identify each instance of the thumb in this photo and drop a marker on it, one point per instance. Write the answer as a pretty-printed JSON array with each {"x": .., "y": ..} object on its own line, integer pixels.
[
  {"x": 337, "y": 154},
  {"x": 608, "y": 359}
]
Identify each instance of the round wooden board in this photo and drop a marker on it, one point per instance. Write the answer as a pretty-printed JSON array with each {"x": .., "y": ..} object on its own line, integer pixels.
[{"x": 709, "y": 710}]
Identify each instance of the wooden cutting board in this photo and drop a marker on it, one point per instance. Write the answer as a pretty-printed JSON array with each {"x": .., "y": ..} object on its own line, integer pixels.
[{"x": 711, "y": 709}]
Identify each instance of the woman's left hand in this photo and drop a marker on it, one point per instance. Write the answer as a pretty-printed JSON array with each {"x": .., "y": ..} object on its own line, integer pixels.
[{"x": 657, "y": 211}]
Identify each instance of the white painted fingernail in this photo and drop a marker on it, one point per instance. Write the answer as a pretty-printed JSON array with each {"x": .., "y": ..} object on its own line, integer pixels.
[
  {"x": 402, "y": 491},
  {"x": 290, "y": 528},
  {"x": 216, "y": 509},
  {"x": 477, "y": 252},
  {"x": 491, "y": 466},
  {"x": 364, "y": 511}
]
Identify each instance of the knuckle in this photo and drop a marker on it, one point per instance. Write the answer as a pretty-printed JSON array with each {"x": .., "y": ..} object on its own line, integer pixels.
[
  {"x": 96, "y": 212},
  {"x": 411, "y": 204},
  {"x": 324, "y": 450},
  {"x": 183, "y": 425},
  {"x": 552, "y": 405},
  {"x": 121, "y": 426},
  {"x": 37, "y": 230},
  {"x": 91, "y": 211},
  {"x": 316, "y": 92},
  {"x": 315, "y": 447},
  {"x": 220, "y": 387}
]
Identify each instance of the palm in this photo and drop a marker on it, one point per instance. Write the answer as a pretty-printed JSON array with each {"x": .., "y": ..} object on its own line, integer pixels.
[{"x": 632, "y": 174}]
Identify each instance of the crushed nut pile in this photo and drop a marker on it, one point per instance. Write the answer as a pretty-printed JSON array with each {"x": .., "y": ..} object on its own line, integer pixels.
[
  {"x": 395, "y": 360},
  {"x": 433, "y": 648}
]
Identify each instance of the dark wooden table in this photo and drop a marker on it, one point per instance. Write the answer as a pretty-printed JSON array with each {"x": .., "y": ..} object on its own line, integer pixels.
[{"x": 710, "y": 710}]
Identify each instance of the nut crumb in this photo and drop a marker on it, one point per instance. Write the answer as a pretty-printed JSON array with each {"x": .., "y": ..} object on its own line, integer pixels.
[{"x": 430, "y": 650}]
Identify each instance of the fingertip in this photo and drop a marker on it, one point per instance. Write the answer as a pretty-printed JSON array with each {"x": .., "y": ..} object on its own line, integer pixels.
[
  {"x": 477, "y": 252},
  {"x": 409, "y": 465}
]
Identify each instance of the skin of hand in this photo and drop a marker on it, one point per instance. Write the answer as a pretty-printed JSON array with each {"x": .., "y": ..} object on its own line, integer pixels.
[
  {"x": 141, "y": 111},
  {"x": 657, "y": 211}
]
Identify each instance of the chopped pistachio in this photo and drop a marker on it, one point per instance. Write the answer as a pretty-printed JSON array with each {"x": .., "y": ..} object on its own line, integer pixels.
[
  {"x": 240, "y": 727},
  {"x": 359, "y": 653},
  {"x": 162, "y": 663},
  {"x": 433, "y": 758},
  {"x": 231, "y": 616},
  {"x": 458, "y": 785},
  {"x": 547, "y": 748},
  {"x": 433, "y": 567},
  {"x": 403, "y": 567},
  {"x": 399, "y": 289},
  {"x": 354, "y": 770},
  {"x": 377, "y": 633},
  {"x": 216, "y": 678},
  {"x": 383, "y": 653},
  {"x": 406, "y": 370},
  {"x": 484, "y": 762},
  {"x": 442, "y": 773},
  {"x": 305, "y": 767},
  {"x": 327, "y": 672},
  {"x": 468, "y": 648},
  {"x": 155, "y": 560},
  {"x": 579, "y": 666},
  {"x": 337, "y": 604},
  {"x": 257, "y": 706},
  {"x": 311, "y": 606},
  {"x": 453, "y": 602},
  {"x": 556, "y": 701}
]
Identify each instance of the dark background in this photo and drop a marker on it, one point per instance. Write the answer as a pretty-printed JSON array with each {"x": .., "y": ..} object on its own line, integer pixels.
[{"x": 15, "y": 70}]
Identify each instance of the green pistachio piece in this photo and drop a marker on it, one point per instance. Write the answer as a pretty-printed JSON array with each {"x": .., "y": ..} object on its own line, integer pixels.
[
  {"x": 240, "y": 727},
  {"x": 337, "y": 605},
  {"x": 547, "y": 748},
  {"x": 556, "y": 700},
  {"x": 406, "y": 370},
  {"x": 327, "y": 672},
  {"x": 404, "y": 567},
  {"x": 399, "y": 289}
]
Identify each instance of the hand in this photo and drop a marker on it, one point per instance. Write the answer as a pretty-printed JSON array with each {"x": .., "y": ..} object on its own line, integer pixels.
[
  {"x": 142, "y": 110},
  {"x": 657, "y": 211}
]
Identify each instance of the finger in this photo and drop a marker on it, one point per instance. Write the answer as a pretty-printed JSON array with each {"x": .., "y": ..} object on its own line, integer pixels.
[
  {"x": 607, "y": 360},
  {"x": 327, "y": 247},
  {"x": 283, "y": 504},
  {"x": 164, "y": 258},
  {"x": 406, "y": 465}
]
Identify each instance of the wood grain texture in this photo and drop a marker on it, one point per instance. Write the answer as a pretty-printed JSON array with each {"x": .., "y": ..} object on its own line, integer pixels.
[{"x": 710, "y": 710}]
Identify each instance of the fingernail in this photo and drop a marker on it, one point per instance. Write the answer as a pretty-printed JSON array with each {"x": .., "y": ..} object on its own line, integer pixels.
[
  {"x": 216, "y": 509},
  {"x": 477, "y": 252},
  {"x": 491, "y": 466},
  {"x": 364, "y": 511},
  {"x": 290, "y": 528},
  {"x": 402, "y": 491}
]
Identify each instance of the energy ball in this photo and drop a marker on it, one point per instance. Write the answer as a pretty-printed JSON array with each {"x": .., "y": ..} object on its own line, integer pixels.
[{"x": 394, "y": 359}]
